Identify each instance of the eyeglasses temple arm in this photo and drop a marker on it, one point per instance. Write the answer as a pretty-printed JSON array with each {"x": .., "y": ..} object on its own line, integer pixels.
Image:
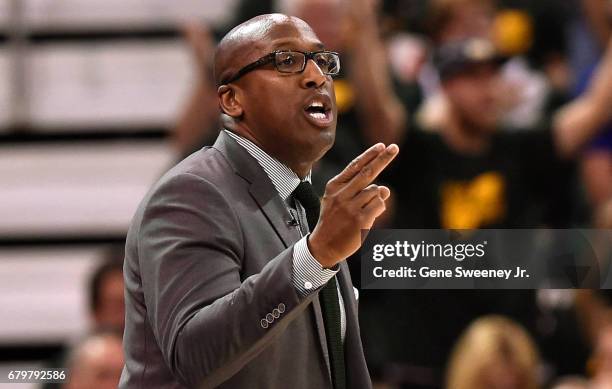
[{"x": 253, "y": 65}]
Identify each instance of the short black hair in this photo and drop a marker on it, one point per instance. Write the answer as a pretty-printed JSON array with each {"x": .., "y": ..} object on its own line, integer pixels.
[{"x": 112, "y": 262}]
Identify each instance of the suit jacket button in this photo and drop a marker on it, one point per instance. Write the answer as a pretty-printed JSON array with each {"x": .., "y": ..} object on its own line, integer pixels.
[
  {"x": 264, "y": 323},
  {"x": 276, "y": 313},
  {"x": 270, "y": 318},
  {"x": 281, "y": 308}
]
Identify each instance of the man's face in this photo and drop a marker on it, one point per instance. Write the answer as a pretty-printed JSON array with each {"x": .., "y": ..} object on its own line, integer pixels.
[
  {"x": 472, "y": 96},
  {"x": 278, "y": 107}
]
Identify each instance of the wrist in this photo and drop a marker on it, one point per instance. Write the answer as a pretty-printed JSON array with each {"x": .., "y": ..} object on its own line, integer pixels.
[{"x": 319, "y": 253}]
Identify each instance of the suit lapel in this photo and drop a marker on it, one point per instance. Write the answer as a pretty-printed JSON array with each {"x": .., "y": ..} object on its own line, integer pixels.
[
  {"x": 261, "y": 188},
  {"x": 275, "y": 210}
]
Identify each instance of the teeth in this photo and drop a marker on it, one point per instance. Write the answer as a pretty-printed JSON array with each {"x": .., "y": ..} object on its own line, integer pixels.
[
  {"x": 317, "y": 115},
  {"x": 316, "y": 104}
]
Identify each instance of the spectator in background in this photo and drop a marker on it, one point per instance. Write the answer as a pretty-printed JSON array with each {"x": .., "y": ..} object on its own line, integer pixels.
[
  {"x": 106, "y": 292},
  {"x": 448, "y": 21},
  {"x": 493, "y": 353},
  {"x": 107, "y": 312},
  {"x": 96, "y": 362},
  {"x": 527, "y": 93},
  {"x": 591, "y": 30},
  {"x": 468, "y": 174}
]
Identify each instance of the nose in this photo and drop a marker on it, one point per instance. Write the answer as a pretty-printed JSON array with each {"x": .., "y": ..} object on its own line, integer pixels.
[{"x": 313, "y": 76}]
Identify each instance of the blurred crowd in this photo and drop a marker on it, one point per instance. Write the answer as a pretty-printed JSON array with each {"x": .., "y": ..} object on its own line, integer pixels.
[{"x": 501, "y": 110}]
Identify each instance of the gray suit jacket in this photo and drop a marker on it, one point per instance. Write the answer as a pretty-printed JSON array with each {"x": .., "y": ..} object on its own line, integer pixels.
[{"x": 208, "y": 256}]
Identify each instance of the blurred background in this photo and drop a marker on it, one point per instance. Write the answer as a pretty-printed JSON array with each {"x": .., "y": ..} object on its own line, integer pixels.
[{"x": 501, "y": 110}]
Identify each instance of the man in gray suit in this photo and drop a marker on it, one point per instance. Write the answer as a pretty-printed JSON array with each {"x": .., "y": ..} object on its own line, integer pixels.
[{"x": 235, "y": 273}]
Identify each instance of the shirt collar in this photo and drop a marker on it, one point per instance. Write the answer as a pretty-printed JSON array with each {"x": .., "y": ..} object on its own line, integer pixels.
[{"x": 283, "y": 178}]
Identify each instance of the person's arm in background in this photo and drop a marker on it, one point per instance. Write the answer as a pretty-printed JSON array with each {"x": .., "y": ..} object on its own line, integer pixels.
[
  {"x": 201, "y": 112},
  {"x": 577, "y": 122},
  {"x": 597, "y": 16},
  {"x": 382, "y": 115},
  {"x": 596, "y": 162}
]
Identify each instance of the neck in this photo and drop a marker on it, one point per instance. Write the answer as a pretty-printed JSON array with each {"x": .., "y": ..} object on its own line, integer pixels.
[
  {"x": 464, "y": 137},
  {"x": 301, "y": 169}
]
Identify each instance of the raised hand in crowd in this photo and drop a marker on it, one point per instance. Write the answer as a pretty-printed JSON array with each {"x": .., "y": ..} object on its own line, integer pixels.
[{"x": 200, "y": 116}]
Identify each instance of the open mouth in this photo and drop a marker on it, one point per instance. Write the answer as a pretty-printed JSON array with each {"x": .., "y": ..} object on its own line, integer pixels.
[{"x": 319, "y": 112}]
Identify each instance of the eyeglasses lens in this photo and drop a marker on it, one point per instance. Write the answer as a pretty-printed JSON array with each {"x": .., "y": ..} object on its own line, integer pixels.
[{"x": 293, "y": 62}]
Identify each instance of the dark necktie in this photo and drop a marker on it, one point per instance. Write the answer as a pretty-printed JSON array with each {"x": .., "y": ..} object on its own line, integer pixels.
[{"x": 328, "y": 296}]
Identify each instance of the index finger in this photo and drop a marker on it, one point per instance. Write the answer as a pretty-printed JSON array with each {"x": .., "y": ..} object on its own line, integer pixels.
[
  {"x": 370, "y": 171},
  {"x": 359, "y": 163}
]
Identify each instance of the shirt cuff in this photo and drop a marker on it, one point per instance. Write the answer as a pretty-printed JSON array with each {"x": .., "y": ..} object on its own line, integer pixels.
[{"x": 308, "y": 274}]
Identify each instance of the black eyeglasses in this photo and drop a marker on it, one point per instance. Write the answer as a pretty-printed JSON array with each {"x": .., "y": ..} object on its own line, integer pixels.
[{"x": 289, "y": 61}]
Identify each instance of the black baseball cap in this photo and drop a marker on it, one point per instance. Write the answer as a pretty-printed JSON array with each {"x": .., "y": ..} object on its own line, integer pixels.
[{"x": 458, "y": 56}]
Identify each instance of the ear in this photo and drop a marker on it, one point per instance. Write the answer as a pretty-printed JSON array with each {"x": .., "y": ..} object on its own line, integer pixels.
[{"x": 229, "y": 101}]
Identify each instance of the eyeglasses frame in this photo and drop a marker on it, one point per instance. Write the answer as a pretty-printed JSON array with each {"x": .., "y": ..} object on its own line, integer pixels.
[{"x": 308, "y": 55}]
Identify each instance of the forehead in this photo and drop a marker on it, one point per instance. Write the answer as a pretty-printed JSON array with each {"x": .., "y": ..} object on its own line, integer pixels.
[{"x": 288, "y": 33}]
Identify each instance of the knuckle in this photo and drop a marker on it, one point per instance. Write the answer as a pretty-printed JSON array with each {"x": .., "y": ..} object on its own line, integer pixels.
[
  {"x": 353, "y": 164},
  {"x": 331, "y": 183},
  {"x": 327, "y": 198},
  {"x": 366, "y": 171},
  {"x": 368, "y": 193}
]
